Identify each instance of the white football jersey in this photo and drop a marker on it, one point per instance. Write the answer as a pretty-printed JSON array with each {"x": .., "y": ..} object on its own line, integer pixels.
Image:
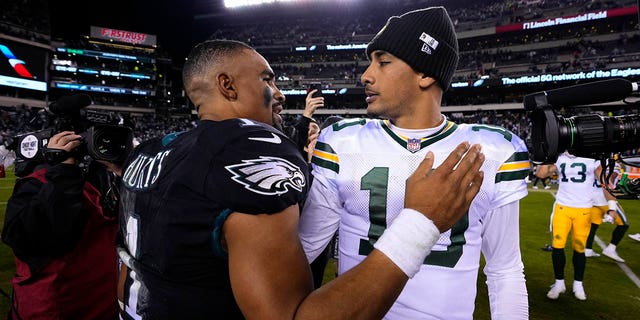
[
  {"x": 576, "y": 178},
  {"x": 599, "y": 198},
  {"x": 360, "y": 168}
]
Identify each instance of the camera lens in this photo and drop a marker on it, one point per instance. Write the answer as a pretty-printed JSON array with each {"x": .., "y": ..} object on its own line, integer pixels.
[
  {"x": 105, "y": 144},
  {"x": 108, "y": 142},
  {"x": 583, "y": 135},
  {"x": 590, "y": 136},
  {"x": 625, "y": 132}
]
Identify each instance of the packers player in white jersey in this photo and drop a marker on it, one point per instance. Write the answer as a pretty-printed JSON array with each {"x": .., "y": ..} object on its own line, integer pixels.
[
  {"x": 606, "y": 208},
  {"x": 360, "y": 168},
  {"x": 571, "y": 214}
]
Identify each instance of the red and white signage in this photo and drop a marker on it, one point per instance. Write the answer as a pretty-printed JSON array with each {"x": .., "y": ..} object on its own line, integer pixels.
[
  {"x": 597, "y": 15},
  {"x": 131, "y": 37}
]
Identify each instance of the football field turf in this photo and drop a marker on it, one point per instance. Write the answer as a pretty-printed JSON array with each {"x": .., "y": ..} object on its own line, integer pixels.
[{"x": 613, "y": 289}]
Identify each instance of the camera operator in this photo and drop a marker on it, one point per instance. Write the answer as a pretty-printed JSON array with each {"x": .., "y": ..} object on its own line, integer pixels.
[{"x": 61, "y": 224}]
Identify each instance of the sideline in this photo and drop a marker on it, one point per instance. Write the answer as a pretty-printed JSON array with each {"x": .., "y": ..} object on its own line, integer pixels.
[{"x": 632, "y": 276}]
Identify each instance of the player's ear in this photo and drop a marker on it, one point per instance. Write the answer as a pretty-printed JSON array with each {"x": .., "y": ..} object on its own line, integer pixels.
[
  {"x": 426, "y": 81},
  {"x": 226, "y": 86}
]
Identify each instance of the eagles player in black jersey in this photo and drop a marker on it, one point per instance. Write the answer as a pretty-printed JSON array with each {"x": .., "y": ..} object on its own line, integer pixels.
[{"x": 208, "y": 222}]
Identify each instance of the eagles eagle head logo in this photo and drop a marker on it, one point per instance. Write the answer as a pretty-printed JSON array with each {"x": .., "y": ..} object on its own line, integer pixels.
[{"x": 268, "y": 175}]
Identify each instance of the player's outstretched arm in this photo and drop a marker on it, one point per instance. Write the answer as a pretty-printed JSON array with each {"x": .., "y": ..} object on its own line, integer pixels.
[
  {"x": 546, "y": 170},
  {"x": 270, "y": 275}
]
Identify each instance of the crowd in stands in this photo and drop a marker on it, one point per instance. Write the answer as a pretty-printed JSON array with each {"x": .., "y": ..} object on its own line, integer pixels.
[
  {"x": 353, "y": 25},
  {"x": 613, "y": 43},
  {"x": 564, "y": 48},
  {"x": 16, "y": 120},
  {"x": 26, "y": 19},
  {"x": 575, "y": 55}
]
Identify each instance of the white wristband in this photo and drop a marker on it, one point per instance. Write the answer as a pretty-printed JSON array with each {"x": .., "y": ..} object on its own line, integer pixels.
[
  {"x": 408, "y": 241},
  {"x": 613, "y": 205}
]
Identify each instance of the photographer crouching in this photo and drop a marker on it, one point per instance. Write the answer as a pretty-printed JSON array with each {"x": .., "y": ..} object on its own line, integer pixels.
[{"x": 61, "y": 222}]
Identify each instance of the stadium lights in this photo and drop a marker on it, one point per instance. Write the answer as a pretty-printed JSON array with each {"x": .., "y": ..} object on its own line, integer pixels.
[{"x": 244, "y": 3}]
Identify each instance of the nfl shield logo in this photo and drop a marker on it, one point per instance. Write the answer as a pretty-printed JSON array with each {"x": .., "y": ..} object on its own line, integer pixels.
[{"x": 413, "y": 144}]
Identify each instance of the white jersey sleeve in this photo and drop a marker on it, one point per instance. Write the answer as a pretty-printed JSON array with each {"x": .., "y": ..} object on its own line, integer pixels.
[
  {"x": 320, "y": 218},
  {"x": 504, "y": 269}
]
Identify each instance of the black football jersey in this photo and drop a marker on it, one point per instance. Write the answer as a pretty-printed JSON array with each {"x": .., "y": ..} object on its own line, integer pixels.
[{"x": 176, "y": 193}]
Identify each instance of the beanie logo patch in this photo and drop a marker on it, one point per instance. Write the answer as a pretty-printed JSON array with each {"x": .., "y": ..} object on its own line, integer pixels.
[
  {"x": 426, "y": 49},
  {"x": 429, "y": 42}
]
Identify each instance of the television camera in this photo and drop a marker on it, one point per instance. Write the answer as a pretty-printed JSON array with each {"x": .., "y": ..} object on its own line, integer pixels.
[
  {"x": 590, "y": 136},
  {"x": 104, "y": 136}
]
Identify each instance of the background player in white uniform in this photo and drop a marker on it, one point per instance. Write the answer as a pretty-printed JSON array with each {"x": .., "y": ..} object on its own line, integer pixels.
[
  {"x": 361, "y": 166},
  {"x": 606, "y": 208},
  {"x": 571, "y": 214}
]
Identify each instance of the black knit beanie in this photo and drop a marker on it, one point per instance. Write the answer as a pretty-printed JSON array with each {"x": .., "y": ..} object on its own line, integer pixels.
[{"x": 425, "y": 39}]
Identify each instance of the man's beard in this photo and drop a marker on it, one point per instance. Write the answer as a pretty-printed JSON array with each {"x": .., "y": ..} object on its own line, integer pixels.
[{"x": 278, "y": 122}]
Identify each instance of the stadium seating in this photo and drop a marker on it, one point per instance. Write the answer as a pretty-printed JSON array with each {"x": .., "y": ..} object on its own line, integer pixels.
[{"x": 506, "y": 52}]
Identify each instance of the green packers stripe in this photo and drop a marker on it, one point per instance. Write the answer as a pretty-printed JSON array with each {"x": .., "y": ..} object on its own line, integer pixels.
[
  {"x": 512, "y": 175},
  {"x": 504, "y": 132},
  {"x": 517, "y": 167},
  {"x": 518, "y": 156},
  {"x": 326, "y": 164},
  {"x": 325, "y": 147},
  {"x": 348, "y": 123},
  {"x": 447, "y": 130},
  {"x": 395, "y": 137},
  {"x": 426, "y": 141},
  {"x": 325, "y": 157}
]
